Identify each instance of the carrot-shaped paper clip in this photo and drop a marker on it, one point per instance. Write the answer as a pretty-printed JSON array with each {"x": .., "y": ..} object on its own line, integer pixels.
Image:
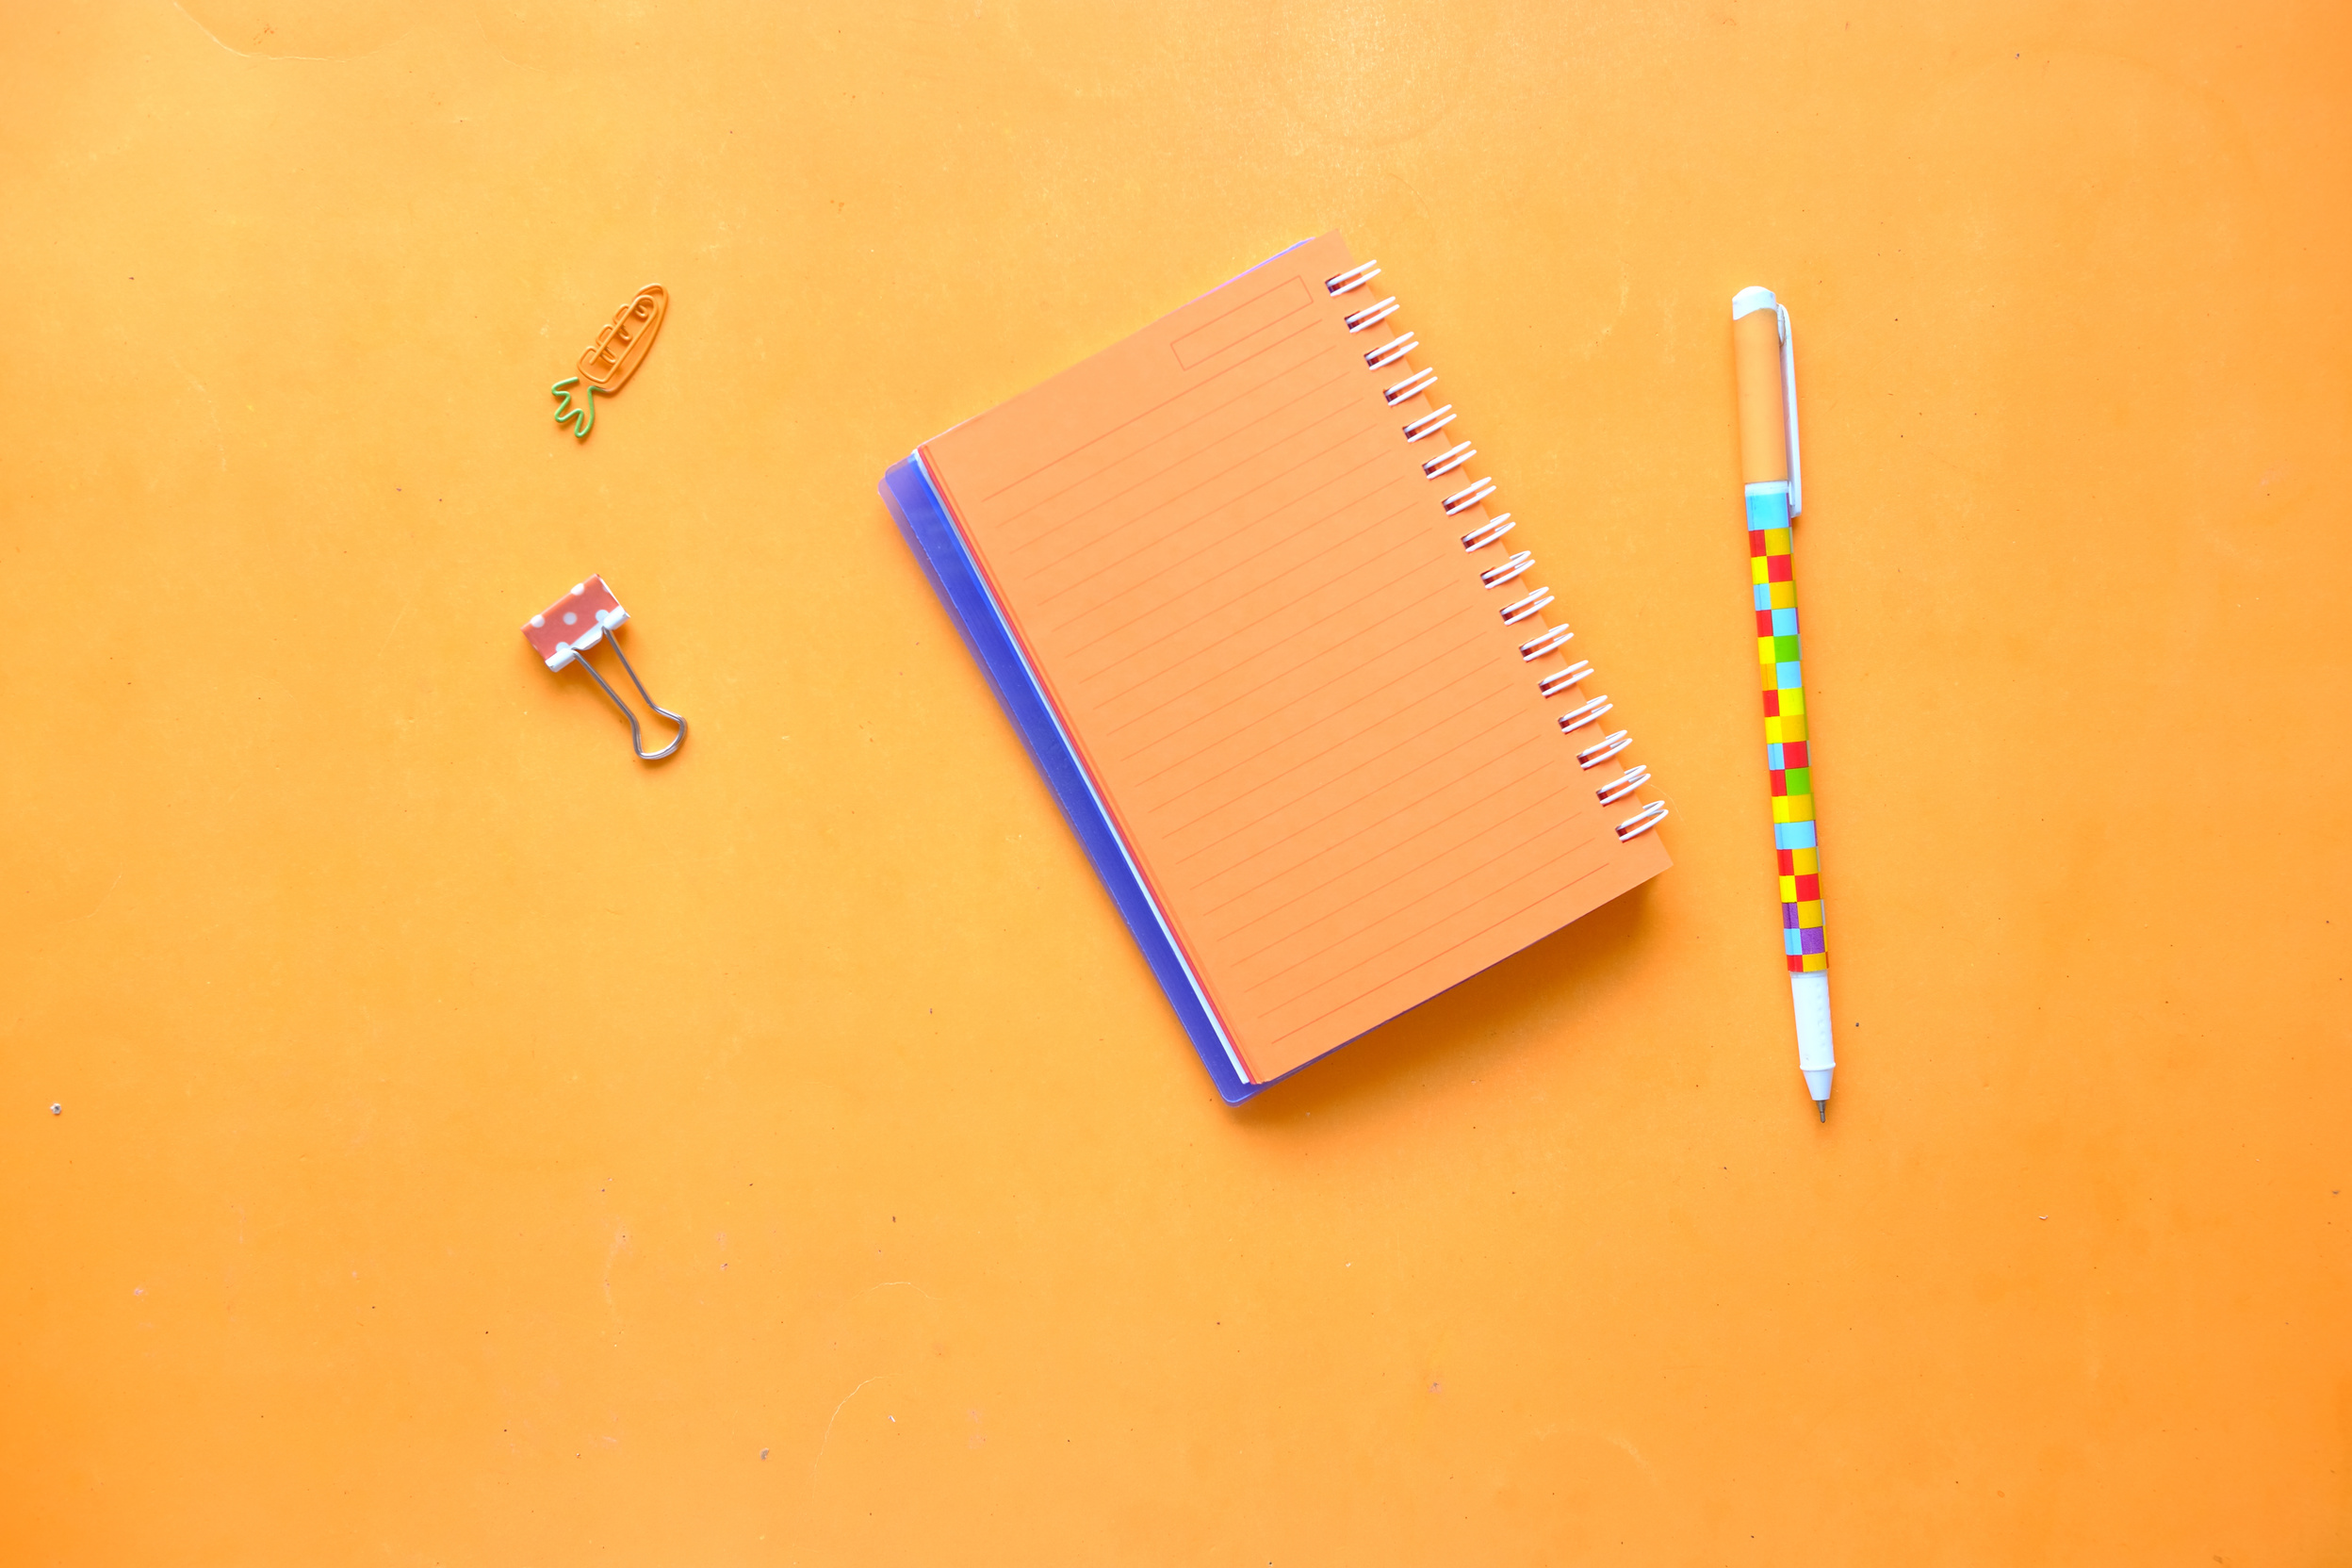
[{"x": 611, "y": 359}]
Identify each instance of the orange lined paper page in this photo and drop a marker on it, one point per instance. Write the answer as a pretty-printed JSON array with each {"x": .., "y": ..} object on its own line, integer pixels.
[{"x": 1260, "y": 629}]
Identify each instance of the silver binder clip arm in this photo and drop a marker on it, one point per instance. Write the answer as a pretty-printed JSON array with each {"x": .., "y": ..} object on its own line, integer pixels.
[
  {"x": 1789, "y": 401},
  {"x": 636, "y": 736}
]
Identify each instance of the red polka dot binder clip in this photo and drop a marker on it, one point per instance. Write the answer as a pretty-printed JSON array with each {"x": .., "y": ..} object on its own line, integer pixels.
[{"x": 565, "y": 631}]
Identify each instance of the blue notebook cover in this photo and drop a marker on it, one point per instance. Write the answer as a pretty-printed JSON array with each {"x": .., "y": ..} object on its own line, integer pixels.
[{"x": 922, "y": 519}]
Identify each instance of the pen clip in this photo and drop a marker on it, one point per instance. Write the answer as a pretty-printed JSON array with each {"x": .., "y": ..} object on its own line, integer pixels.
[{"x": 1789, "y": 401}]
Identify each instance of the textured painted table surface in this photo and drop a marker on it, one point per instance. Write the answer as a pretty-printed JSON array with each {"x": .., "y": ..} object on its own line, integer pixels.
[{"x": 476, "y": 1148}]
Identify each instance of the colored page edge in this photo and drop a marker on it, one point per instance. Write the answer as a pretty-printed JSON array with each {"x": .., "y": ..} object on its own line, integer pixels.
[{"x": 921, "y": 512}]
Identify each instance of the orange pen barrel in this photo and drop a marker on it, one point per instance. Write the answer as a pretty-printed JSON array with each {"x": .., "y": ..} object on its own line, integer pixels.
[{"x": 1763, "y": 414}]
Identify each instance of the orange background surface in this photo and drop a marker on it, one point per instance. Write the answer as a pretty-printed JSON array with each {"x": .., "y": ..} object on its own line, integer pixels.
[{"x": 478, "y": 1147}]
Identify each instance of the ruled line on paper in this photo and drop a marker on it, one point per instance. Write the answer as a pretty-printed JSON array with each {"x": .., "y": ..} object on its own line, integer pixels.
[
  {"x": 1406, "y": 541},
  {"x": 1268, "y": 558},
  {"x": 1361, "y": 862},
  {"x": 1267, "y": 307},
  {"x": 1431, "y": 695},
  {"x": 1347, "y": 806},
  {"x": 1116, "y": 599},
  {"x": 1222, "y": 509},
  {"x": 1178, "y": 396},
  {"x": 1313, "y": 690},
  {"x": 1297, "y": 671},
  {"x": 1352, "y": 933},
  {"x": 1216, "y": 504},
  {"x": 1269, "y": 648},
  {"x": 1354, "y": 606},
  {"x": 1129, "y": 520},
  {"x": 1334, "y": 812},
  {"x": 1327, "y": 783},
  {"x": 1368, "y": 762},
  {"x": 1477, "y": 765},
  {"x": 1349, "y": 936},
  {"x": 1244, "y": 423},
  {"x": 1400, "y": 978}
]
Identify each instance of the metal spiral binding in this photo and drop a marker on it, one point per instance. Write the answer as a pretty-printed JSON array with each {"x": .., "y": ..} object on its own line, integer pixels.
[
  {"x": 1560, "y": 680},
  {"x": 1447, "y": 460},
  {"x": 1519, "y": 609},
  {"x": 1590, "y": 713},
  {"x": 1412, "y": 386},
  {"x": 1494, "y": 577},
  {"x": 1623, "y": 785},
  {"x": 1467, "y": 496},
  {"x": 1488, "y": 531},
  {"x": 1642, "y": 822},
  {"x": 1603, "y": 750},
  {"x": 1517, "y": 565},
  {"x": 1390, "y": 353},
  {"x": 1429, "y": 423},
  {"x": 1551, "y": 642}
]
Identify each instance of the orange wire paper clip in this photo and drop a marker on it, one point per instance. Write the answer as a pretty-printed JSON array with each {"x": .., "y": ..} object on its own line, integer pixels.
[
  {"x": 565, "y": 631},
  {"x": 608, "y": 363}
]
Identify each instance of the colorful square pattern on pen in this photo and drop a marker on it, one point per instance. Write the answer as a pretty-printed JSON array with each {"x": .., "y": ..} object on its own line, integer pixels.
[{"x": 1780, "y": 670}]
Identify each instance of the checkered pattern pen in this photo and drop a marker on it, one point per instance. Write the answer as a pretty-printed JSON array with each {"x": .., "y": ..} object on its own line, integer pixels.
[
  {"x": 1769, "y": 462},
  {"x": 1780, "y": 663}
]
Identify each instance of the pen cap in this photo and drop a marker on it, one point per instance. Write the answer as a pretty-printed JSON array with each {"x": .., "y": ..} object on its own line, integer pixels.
[{"x": 1763, "y": 411}]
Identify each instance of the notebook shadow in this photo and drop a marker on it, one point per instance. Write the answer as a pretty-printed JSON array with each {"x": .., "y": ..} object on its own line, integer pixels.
[{"x": 1484, "y": 1016}]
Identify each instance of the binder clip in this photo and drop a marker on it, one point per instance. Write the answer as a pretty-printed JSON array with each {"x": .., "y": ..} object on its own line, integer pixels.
[{"x": 565, "y": 631}]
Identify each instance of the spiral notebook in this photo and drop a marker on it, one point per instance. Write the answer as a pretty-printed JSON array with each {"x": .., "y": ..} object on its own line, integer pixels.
[{"x": 1242, "y": 585}]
